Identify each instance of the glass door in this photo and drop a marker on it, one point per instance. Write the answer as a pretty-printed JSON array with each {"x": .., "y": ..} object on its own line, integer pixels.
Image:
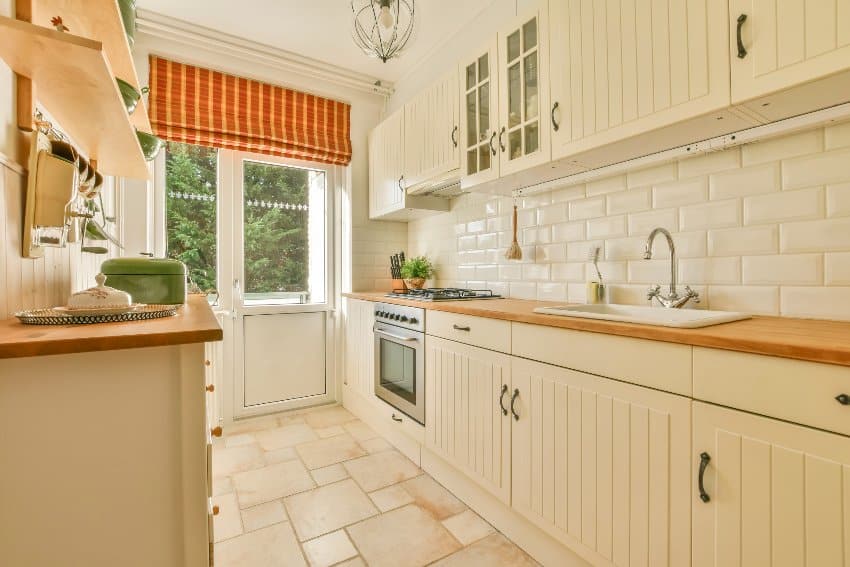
[{"x": 480, "y": 116}]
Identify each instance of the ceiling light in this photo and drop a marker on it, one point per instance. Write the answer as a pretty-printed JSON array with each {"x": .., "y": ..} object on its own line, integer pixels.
[{"x": 382, "y": 28}]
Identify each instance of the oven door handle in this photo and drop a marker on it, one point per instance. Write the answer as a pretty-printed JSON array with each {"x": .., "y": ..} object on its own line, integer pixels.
[{"x": 396, "y": 337}]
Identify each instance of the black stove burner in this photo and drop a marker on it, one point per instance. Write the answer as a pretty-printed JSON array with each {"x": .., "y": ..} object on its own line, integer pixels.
[{"x": 443, "y": 294}]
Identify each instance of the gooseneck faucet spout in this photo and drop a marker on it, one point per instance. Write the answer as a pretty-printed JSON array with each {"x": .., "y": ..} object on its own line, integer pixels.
[{"x": 672, "y": 299}]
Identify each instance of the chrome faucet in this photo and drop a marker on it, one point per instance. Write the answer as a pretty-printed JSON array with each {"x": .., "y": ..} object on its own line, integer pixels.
[{"x": 672, "y": 299}]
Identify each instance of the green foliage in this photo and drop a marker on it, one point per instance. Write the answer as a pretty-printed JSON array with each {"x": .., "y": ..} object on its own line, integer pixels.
[{"x": 418, "y": 267}]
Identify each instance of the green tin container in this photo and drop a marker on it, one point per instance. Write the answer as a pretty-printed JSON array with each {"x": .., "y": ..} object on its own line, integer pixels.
[{"x": 148, "y": 280}]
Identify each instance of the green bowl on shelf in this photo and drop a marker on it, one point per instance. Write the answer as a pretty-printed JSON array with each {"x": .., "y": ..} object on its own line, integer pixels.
[
  {"x": 151, "y": 145},
  {"x": 130, "y": 94},
  {"x": 128, "y": 18}
]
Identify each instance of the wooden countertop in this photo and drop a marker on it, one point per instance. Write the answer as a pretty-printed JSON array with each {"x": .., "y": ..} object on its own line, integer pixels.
[
  {"x": 802, "y": 339},
  {"x": 194, "y": 323}
]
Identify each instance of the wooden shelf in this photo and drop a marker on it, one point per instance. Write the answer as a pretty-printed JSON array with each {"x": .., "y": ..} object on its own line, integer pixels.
[
  {"x": 99, "y": 20},
  {"x": 76, "y": 85}
]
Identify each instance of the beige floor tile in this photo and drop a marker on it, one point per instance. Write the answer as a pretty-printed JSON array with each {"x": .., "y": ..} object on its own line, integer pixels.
[
  {"x": 324, "y": 452},
  {"x": 332, "y": 431},
  {"x": 375, "y": 445},
  {"x": 290, "y": 419},
  {"x": 334, "y": 415},
  {"x": 408, "y": 536},
  {"x": 239, "y": 440},
  {"x": 329, "y": 474},
  {"x": 222, "y": 485},
  {"x": 274, "y": 546},
  {"x": 328, "y": 508},
  {"x": 381, "y": 469},
  {"x": 263, "y": 515},
  {"x": 356, "y": 562},
  {"x": 429, "y": 495},
  {"x": 286, "y": 436},
  {"x": 360, "y": 430},
  {"x": 280, "y": 455},
  {"x": 251, "y": 425},
  {"x": 229, "y": 460},
  {"x": 468, "y": 527},
  {"x": 227, "y": 523},
  {"x": 391, "y": 497},
  {"x": 490, "y": 551},
  {"x": 271, "y": 482},
  {"x": 329, "y": 549}
]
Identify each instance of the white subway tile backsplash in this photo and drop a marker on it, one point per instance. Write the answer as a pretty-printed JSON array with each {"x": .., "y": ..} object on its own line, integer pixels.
[
  {"x": 578, "y": 251},
  {"x": 629, "y": 201},
  {"x": 489, "y": 240},
  {"x": 606, "y": 185},
  {"x": 467, "y": 242},
  {"x": 510, "y": 272},
  {"x": 709, "y": 163},
  {"x": 577, "y": 292},
  {"x": 606, "y": 227},
  {"x": 710, "y": 270},
  {"x": 816, "y": 302},
  {"x": 476, "y": 226},
  {"x": 611, "y": 272},
  {"x": 523, "y": 290},
  {"x": 551, "y": 253},
  {"x": 649, "y": 271},
  {"x": 758, "y": 300},
  {"x": 838, "y": 200},
  {"x": 815, "y": 236},
  {"x": 536, "y": 235},
  {"x": 816, "y": 169},
  {"x": 652, "y": 175},
  {"x": 716, "y": 214},
  {"x": 568, "y": 231},
  {"x": 625, "y": 248},
  {"x": 568, "y": 272},
  {"x": 837, "y": 136},
  {"x": 785, "y": 206},
  {"x": 587, "y": 208},
  {"x": 788, "y": 269},
  {"x": 552, "y": 214},
  {"x": 776, "y": 149},
  {"x": 568, "y": 194},
  {"x": 747, "y": 181},
  {"x": 487, "y": 272},
  {"x": 739, "y": 241},
  {"x": 536, "y": 271},
  {"x": 552, "y": 291},
  {"x": 644, "y": 223},
  {"x": 837, "y": 268},
  {"x": 678, "y": 193}
]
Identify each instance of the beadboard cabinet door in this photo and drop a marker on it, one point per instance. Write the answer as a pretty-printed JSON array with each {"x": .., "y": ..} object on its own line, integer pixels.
[
  {"x": 386, "y": 166},
  {"x": 622, "y": 68},
  {"x": 778, "y": 494},
  {"x": 602, "y": 465},
  {"x": 523, "y": 71},
  {"x": 786, "y": 43},
  {"x": 432, "y": 133},
  {"x": 464, "y": 422},
  {"x": 360, "y": 347}
]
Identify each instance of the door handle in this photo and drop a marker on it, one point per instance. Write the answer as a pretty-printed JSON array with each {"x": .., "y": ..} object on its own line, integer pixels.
[
  {"x": 502, "y": 399},
  {"x": 492, "y": 137},
  {"x": 394, "y": 336},
  {"x": 459, "y": 328},
  {"x": 454, "y": 136},
  {"x": 398, "y": 419},
  {"x": 555, "y": 125},
  {"x": 501, "y": 144},
  {"x": 400, "y": 186},
  {"x": 704, "y": 459},
  {"x": 513, "y": 401},
  {"x": 742, "y": 51}
]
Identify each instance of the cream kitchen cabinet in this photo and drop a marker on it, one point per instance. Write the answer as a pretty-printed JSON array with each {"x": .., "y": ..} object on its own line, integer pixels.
[
  {"x": 467, "y": 391},
  {"x": 479, "y": 124},
  {"x": 360, "y": 347},
  {"x": 602, "y": 465},
  {"x": 431, "y": 140},
  {"x": 767, "y": 492},
  {"x": 779, "y": 44}
]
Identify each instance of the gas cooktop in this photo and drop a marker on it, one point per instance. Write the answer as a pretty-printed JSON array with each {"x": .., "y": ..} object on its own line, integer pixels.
[{"x": 443, "y": 294}]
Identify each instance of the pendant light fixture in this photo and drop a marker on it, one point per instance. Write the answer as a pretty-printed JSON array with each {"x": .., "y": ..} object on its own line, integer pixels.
[{"x": 382, "y": 28}]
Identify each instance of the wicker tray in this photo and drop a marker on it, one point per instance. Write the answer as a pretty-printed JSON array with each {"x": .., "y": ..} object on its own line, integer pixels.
[{"x": 56, "y": 317}]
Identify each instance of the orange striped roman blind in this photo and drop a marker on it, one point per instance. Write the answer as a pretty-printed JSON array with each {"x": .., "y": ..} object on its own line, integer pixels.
[{"x": 207, "y": 108}]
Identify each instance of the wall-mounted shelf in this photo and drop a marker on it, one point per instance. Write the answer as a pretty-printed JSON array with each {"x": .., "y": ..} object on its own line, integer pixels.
[{"x": 75, "y": 84}]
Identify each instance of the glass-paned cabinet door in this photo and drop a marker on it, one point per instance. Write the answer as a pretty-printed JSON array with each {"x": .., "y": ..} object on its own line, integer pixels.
[
  {"x": 524, "y": 138},
  {"x": 478, "y": 128}
]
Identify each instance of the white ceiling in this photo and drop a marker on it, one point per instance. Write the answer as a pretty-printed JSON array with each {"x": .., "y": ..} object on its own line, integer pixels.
[{"x": 321, "y": 29}]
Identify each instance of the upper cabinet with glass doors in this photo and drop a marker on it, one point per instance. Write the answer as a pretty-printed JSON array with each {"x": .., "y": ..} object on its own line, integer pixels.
[{"x": 479, "y": 124}]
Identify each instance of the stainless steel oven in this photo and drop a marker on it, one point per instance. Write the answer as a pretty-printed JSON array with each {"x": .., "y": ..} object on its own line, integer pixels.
[{"x": 400, "y": 358}]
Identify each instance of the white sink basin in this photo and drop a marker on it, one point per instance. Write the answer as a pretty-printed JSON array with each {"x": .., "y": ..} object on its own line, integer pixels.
[{"x": 658, "y": 316}]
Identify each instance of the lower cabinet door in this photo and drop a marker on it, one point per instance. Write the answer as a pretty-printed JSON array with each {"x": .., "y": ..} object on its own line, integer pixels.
[
  {"x": 602, "y": 465},
  {"x": 767, "y": 492},
  {"x": 464, "y": 421}
]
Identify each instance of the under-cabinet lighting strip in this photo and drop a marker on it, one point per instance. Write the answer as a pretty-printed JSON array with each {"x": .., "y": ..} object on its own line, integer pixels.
[{"x": 747, "y": 136}]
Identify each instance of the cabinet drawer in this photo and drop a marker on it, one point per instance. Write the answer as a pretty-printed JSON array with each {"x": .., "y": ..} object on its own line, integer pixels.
[
  {"x": 660, "y": 365},
  {"x": 492, "y": 334},
  {"x": 793, "y": 390}
]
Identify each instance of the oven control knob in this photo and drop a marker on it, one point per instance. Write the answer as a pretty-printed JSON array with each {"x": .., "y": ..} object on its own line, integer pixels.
[
  {"x": 413, "y": 320},
  {"x": 404, "y": 318},
  {"x": 396, "y": 316}
]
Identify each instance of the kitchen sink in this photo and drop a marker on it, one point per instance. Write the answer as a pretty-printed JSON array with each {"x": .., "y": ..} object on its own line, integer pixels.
[{"x": 658, "y": 316}]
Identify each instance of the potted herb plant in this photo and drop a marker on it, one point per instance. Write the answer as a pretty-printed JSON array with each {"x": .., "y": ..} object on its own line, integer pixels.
[{"x": 416, "y": 270}]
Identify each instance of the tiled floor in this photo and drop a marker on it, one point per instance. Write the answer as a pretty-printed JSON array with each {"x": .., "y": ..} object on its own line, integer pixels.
[{"x": 321, "y": 488}]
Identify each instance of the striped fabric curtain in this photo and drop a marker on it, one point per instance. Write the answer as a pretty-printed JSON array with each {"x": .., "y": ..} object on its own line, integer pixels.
[{"x": 203, "y": 107}]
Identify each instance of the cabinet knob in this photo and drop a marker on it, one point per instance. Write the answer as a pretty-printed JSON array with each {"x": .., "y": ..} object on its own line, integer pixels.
[
  {"x": 215, "y": 510},
  {"x": 216, "y": 431},
  {"x": 210, "y": 388},
  {"x": 207, "y": 363},
  {"x": 843, "y": 399}
]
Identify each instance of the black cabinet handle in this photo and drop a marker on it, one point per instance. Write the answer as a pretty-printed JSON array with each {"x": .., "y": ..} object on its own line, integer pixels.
[
  {"x": 398, "y": 419},
  {"x": 492, "y": 137},
  {"x": 501, "y": 133},
  {"x": 843, "y": 399},
  {"x": 704, "y": 459},
  {"x": 400, "y": 187},
  {"x": 454, "y": 136},
  {"x": 459, "y": 328},
  {"x": 742, "y": 51},
  {"x": 513, "y": 401},
  {"x": 555, "y": 125},
  {"x": 502, "y": 399}
]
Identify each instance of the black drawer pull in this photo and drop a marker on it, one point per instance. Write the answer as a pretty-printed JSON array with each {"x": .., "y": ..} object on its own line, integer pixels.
[
  {"x": 502, "y": 399},
  {"x": 513, "y": 401},
  {"x": 843, "y": 399},
  {"x": 459, "y": 328},
  {"x": 742, "y": 51},
  {"x": 555, "y": 125},
  {"x": 704, "y": 459},
  {"x": 398, "y": 419}
]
